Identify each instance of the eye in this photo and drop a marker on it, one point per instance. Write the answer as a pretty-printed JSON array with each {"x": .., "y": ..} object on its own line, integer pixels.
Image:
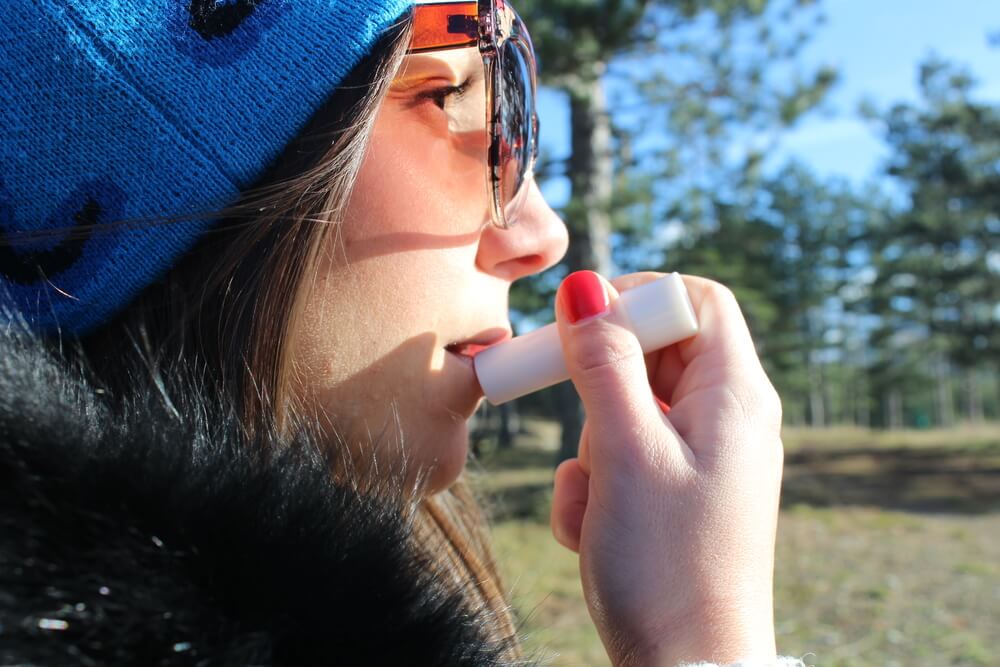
[{"x": 440, "y": 95}]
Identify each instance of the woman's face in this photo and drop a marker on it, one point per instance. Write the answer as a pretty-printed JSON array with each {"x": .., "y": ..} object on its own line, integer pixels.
[{"x": 416, "y": 268}]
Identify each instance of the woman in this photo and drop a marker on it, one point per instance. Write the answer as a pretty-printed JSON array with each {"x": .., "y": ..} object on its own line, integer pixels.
[{"x": 248, "y": 252}]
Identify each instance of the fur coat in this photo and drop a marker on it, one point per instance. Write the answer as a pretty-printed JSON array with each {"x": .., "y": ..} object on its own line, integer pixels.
[{"x": 143, "y": 531}]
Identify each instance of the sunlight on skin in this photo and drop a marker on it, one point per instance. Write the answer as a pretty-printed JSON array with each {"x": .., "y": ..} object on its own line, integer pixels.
[{"x": 416, "y": 266}]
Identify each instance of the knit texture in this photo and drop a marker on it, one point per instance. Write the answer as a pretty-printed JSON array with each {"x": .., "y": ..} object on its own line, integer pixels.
[{"x": 136, "y": 109}]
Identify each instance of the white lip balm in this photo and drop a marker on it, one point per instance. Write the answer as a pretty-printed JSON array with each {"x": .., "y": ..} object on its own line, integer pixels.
[{"x": 658, "y": 313}]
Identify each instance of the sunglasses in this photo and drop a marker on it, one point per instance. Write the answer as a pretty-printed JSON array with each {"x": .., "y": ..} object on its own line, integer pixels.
[{"x": 509, "y": 66}]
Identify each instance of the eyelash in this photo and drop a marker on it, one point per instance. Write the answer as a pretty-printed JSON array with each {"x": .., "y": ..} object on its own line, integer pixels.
[{"x": 439, "y": 95}]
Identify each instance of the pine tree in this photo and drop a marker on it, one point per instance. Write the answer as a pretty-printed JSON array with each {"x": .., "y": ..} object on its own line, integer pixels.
[
  {"x": 659, "y": 92},
  {"x": 939, "y": 259}
]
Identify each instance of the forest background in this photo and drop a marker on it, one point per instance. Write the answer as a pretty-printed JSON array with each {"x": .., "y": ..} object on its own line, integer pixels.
[
  {"x": 874, "y": 300},
  {"x": 852, "y": 203}
]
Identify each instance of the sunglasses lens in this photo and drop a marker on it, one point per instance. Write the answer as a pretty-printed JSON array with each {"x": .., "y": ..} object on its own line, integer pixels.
[{"x": 517, "y": 143}]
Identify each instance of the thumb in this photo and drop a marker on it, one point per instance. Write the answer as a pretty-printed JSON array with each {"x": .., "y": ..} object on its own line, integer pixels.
[{"x": 604, "y": 359}]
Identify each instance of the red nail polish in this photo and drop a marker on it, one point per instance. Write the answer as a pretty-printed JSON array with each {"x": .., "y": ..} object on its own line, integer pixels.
[{"x": 583, "y": 296}]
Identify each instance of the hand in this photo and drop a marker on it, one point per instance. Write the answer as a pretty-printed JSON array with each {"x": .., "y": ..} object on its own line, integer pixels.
[{"x": 674, "y": 517}]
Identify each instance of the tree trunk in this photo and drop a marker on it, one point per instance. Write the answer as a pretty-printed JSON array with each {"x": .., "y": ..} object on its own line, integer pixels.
[
  {"x": 848, "y": 392},
  {"x": 943, "y": 393},
  {"x": 864, "y": 413},
  {"x": 894, "y": 409},
  {"x": 859, "y": 414},
  {"x": 588, "y": 218},
  {"x": 974, "y": 397},
  {"x": 591, "y": 172},
  {"x": 571, "y": 416},
  {"x": 817, "y": 407},
  {"x": 505, "y": 433}
]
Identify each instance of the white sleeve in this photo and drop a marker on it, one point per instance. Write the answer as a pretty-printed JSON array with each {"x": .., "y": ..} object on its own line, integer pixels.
[{"x": 780, "y": 661}]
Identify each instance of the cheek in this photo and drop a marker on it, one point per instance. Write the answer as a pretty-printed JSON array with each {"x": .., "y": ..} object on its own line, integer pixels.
[
  {"x": 351, "y": 326},
  {"x": 368, "y": 365},
  {"x": 370, "y": 341},
  {"x": 414, "y": 179}
]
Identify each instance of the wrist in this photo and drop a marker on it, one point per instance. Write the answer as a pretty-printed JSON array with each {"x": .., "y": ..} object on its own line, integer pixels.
[{"x": 723, "y": 637}]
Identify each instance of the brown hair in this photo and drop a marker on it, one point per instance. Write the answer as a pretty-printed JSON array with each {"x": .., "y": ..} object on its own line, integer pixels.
[{"x": 224, "y": 309}]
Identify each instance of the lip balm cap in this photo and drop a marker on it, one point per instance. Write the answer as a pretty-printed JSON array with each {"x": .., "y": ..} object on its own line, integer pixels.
[{"x": 660, "y": 312}]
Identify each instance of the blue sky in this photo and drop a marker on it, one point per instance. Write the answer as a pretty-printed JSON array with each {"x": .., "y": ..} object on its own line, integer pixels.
[{"x": 876, "y": 45}]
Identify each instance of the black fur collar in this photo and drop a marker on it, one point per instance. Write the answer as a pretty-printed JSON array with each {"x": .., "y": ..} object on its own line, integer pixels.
[{"x": 148, "y": 534}]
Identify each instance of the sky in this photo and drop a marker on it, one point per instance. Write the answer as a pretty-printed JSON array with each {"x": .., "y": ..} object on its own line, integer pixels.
[{"x": 877, "y": 46}]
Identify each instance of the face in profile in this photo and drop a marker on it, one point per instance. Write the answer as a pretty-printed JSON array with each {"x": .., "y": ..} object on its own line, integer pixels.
[{"x": 417, "y": 275}]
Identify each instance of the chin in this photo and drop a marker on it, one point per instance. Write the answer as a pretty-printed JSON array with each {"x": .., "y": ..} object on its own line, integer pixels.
[{"x": 444, "y": 454}]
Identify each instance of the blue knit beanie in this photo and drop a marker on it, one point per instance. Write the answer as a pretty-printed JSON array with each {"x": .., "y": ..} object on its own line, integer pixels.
[{"x": 136, "y": 109}]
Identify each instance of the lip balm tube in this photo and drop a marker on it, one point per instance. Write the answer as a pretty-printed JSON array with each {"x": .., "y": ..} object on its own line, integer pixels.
[{"x": 659, "y": 313}]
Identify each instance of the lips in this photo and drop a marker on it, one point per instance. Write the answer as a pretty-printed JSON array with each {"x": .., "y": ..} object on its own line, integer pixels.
[{"x": 484, "y": 339}]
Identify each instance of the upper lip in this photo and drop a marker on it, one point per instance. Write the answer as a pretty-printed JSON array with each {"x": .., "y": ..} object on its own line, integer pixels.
[{"x": 486, "y": 337}]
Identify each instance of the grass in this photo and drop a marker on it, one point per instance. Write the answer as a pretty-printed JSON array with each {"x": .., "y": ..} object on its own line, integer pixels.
[
  {"x": 970, "y": 436},
  {"x": 888, "y": 548}
]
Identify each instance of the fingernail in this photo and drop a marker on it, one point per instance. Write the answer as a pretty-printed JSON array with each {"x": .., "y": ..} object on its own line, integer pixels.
[{"x": 583, "y": 296}]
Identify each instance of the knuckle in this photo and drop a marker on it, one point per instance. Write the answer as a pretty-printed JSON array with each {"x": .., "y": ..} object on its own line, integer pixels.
[
  {"x": 740, "y": 400},
  {"x": 720, "y": 293},
  {"x": 607, "y": 350},
  {"x": 779, "y": 454},
  {"x": 770, "y": 405},
  {"x": 757, "y": 404}
]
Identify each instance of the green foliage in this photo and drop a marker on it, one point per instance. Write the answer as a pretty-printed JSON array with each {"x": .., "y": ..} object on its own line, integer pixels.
[
  {"x": 696, "y": 92},
  {"x": 868, "y": 308},
  {"x": 577, "y": 37},
  {"x": 939, "y": 258},
  {"x": 658, "y": 90},
  {"x": 788, "y": 252}
]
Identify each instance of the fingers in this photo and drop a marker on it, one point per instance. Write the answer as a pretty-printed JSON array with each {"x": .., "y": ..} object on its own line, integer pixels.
[
  {"x": 722, "y": 352},
  {"x": 724, "y": 331},
  {"x": 608, "y": 369},
  {"x": 720, "y": 366},
  {"x": 663, "y": 367},
  {"x": 603, "y": 357},
  {"x": 569, "y": 502},
  {"x": 710, "y": 379},
  {"x": 583, "y": 451},
  {"x": 630, "y": 280},
  {"x": 723, "y": 341}
]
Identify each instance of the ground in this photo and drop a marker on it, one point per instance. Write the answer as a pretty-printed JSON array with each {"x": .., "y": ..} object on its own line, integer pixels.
[{"x": 888, "y": 548}]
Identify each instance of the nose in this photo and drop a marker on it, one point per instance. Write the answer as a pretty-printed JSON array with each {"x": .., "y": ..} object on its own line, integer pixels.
[{"x": 536, "y": 240}]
